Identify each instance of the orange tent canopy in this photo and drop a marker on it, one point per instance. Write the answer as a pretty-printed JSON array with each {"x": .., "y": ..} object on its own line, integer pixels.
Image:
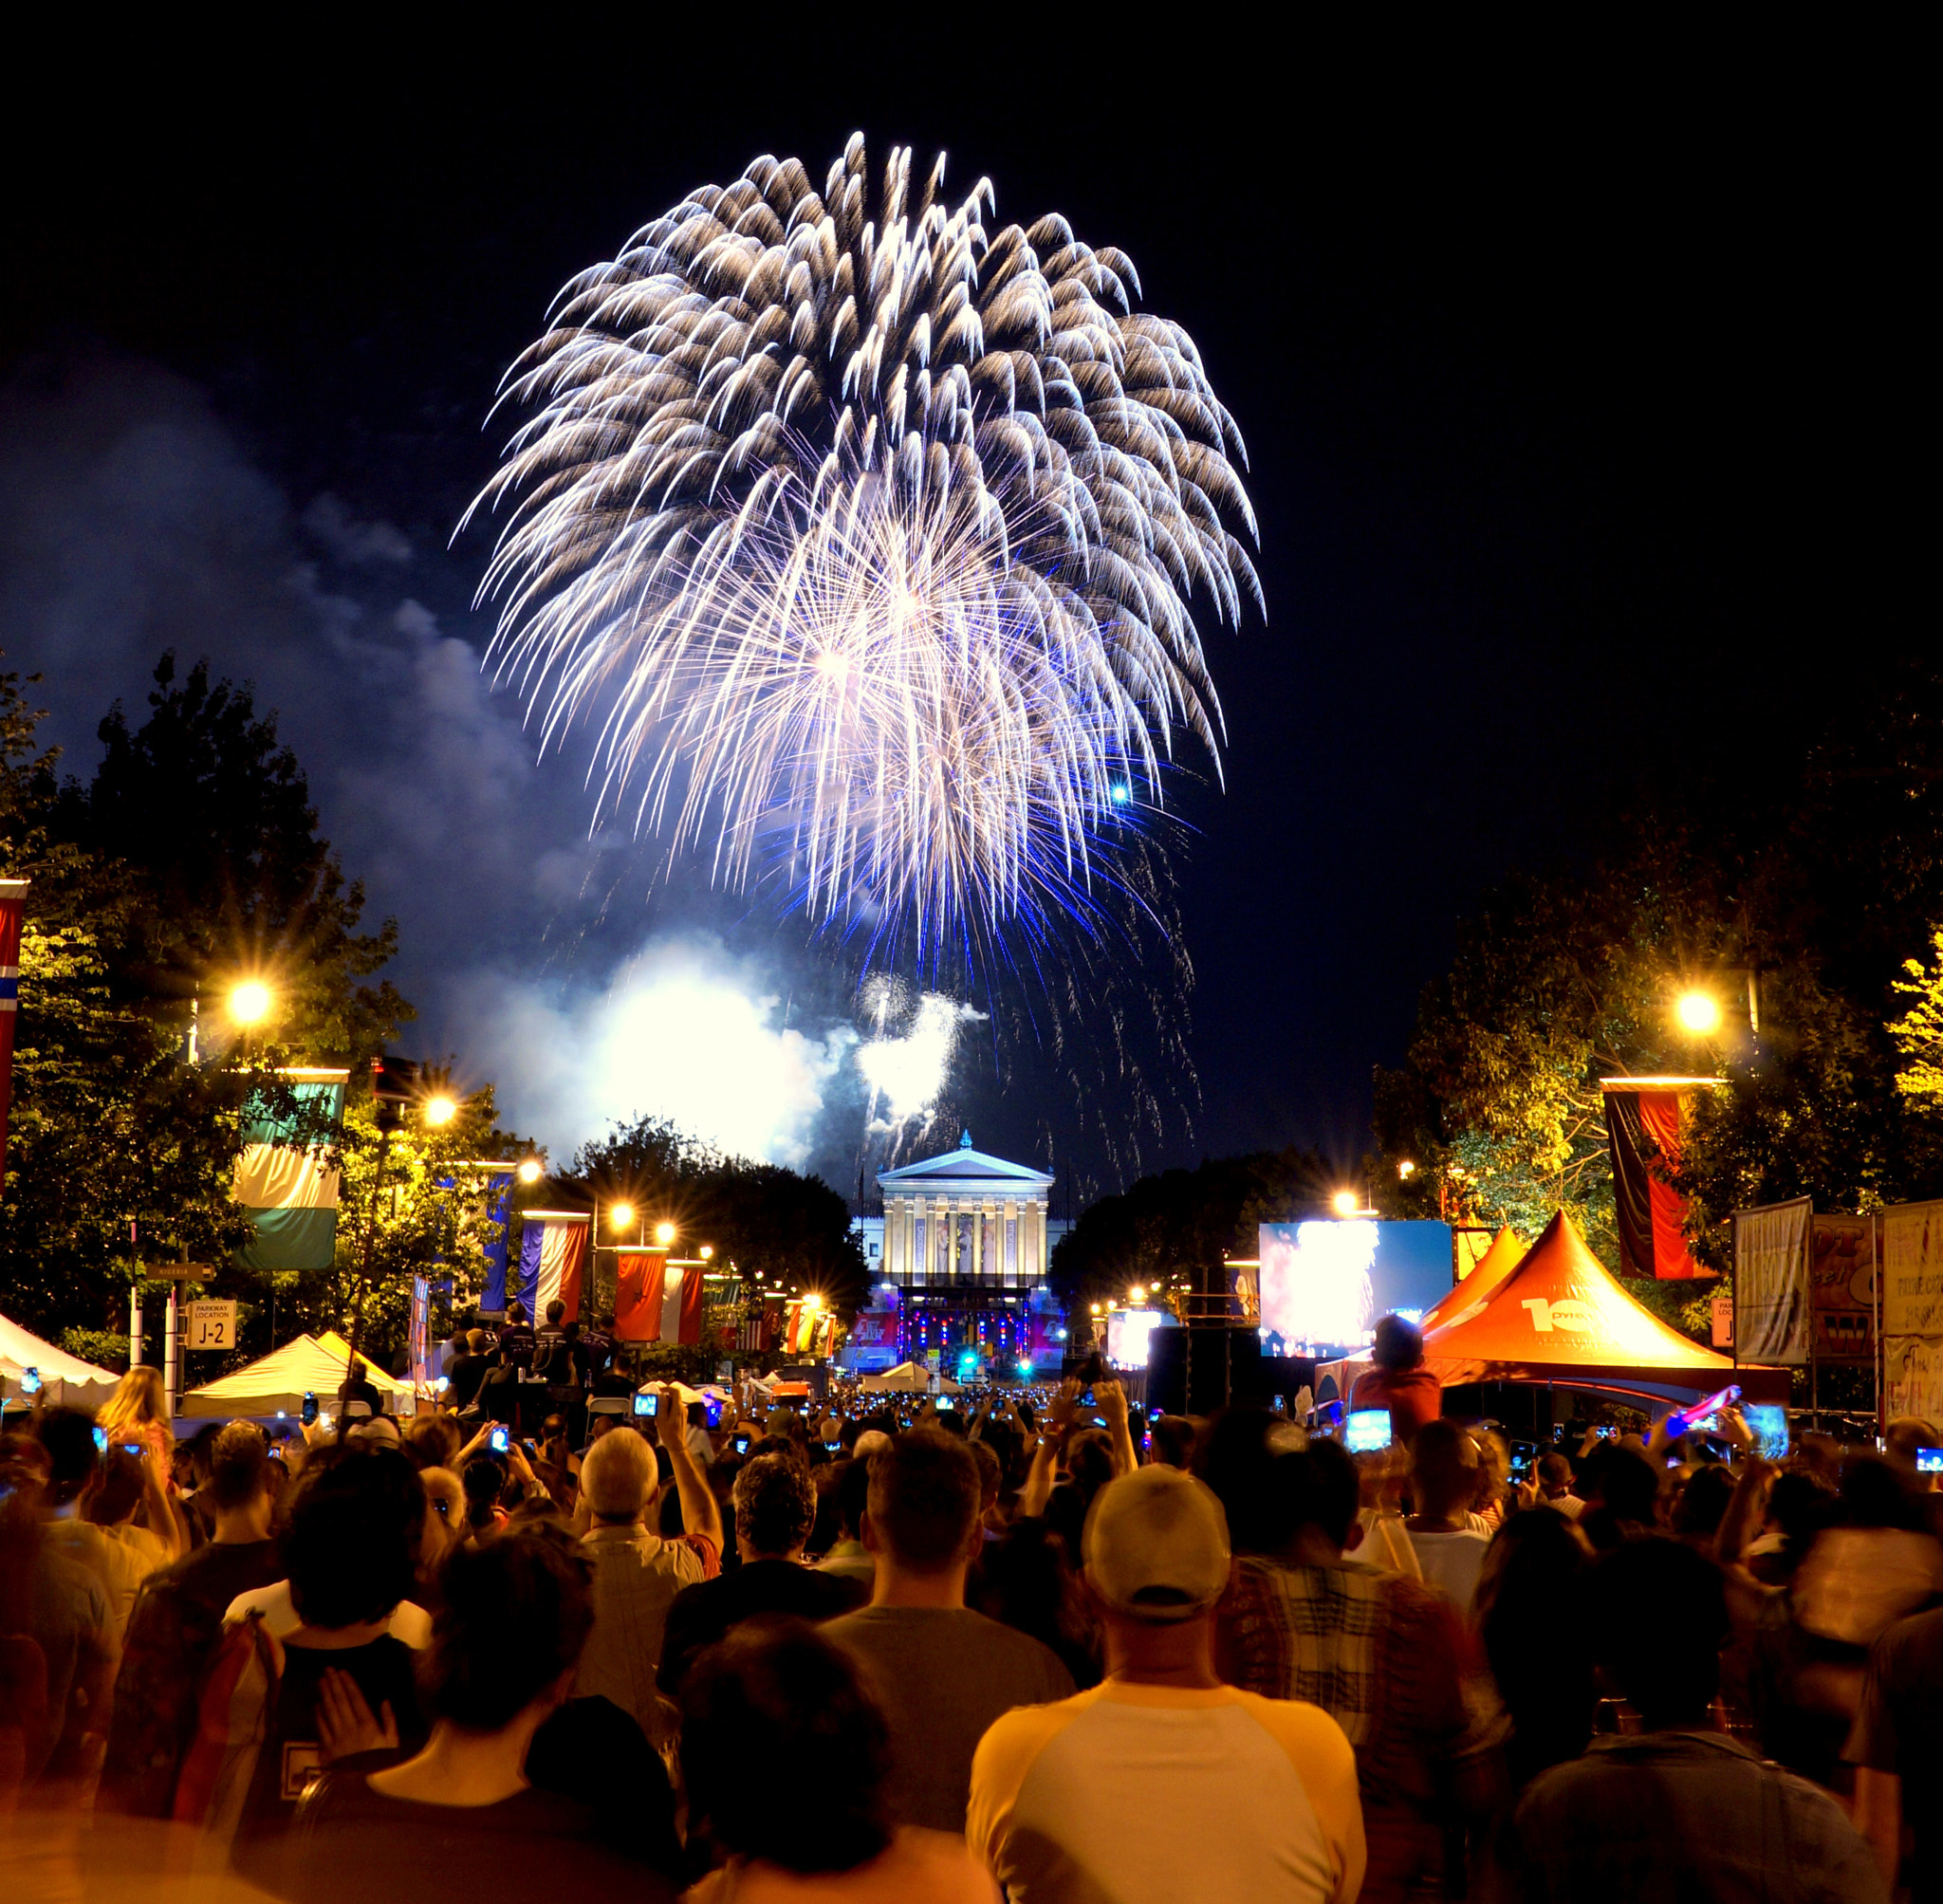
[
  {"x": 1505, "y": 1253},
  {"x": 1557, "y": 1315}
]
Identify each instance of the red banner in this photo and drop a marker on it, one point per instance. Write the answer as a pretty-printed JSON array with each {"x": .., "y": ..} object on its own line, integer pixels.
[
  {"x": 640, "y": 1282},
  {"x": 12, "y": 902}
]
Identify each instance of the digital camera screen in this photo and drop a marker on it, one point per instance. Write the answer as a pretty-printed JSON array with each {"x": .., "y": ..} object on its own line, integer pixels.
[{"x": 1368, "y": 1431}]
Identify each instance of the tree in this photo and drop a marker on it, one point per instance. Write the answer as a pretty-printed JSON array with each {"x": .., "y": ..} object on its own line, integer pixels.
[
  {"x": 1183, "y": 1224},
  {"x": 774, "y": 1224},
  {"x": 192, "y": 857}
]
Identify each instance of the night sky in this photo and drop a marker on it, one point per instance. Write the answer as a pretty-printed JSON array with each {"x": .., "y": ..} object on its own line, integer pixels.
[{"x": 1573, "y": 406}]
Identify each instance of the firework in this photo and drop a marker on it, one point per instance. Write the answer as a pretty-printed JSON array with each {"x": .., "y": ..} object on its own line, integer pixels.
[{"x": 867, "y": 546}]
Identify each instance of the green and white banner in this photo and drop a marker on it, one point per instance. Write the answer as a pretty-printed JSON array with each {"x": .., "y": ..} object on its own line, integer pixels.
[{"x": 282, "y": 1183}]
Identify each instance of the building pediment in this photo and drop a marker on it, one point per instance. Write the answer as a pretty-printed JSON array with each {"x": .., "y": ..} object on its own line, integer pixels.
[{"x": 966, "y": 1172}]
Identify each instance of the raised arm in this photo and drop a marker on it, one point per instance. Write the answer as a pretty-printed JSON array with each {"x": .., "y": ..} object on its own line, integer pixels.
[{"x": 699, "y": 1514}]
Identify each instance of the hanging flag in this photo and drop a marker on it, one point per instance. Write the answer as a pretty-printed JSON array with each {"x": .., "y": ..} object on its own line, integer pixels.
[
  {"x": 662, "y": 1301},
  {"x": 639, "y": 1289},
  {"x": 280, "y": 1180},
  {"x": 498, "y": 1213},
  {"x": 553, "y": 1261},
  {"x": 1771, "y": 1292},
  {"x": 12, "y": 903},
  {"x": 1643, "y": 1119}
]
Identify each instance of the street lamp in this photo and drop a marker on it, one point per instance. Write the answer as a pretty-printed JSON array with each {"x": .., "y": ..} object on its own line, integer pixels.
[
  {"x": 1137, "y": 1293},
  {"x": 249, "y": 1002},
  {"x": 440, "y": 1109},
  {"x": 1346, "y": 1203},
  {"x": 1699, "y": 1012},
  {"x": 529, "y": 1171},
  {"x": 620, "y": 1216},
  {"x": 664, "y": 1234},
  {"x": 708, "y": 1252}
]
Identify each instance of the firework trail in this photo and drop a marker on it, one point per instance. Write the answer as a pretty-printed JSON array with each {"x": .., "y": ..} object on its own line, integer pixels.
[{"x": 867, "y": 545}]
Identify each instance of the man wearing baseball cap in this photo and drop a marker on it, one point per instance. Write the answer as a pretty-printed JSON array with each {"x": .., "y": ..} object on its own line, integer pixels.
[{"x": 1162, "y": 1785}]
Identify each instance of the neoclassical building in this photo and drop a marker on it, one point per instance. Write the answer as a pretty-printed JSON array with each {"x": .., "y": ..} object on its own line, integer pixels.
[{"x": 959, "y": 1257}]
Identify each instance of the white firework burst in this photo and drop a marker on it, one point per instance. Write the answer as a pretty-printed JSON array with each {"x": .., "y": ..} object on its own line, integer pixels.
[{"x": 869, "y": 545}]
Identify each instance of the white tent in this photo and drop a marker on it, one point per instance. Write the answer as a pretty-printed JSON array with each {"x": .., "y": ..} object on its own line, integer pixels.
[
  {"x": 64, "y": 1378},
  {"x": 279, "y": 1383},
  {"x": 906, "y": 1378}
]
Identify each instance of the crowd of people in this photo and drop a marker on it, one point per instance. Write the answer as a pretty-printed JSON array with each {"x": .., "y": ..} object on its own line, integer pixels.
[{"x": 1034, "y": 1646}]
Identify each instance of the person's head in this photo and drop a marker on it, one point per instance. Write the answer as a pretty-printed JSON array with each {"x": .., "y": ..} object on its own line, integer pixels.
[
  {"x": 1445, "y": 1467},
  {"x": 239, "y": 1467},
  {"x": 776, "y": 1695},
  {"x": 445, "y": 1513},
  {"x": 1624, "y": 1482},
  {"x": 556, "y": 1313},
  {"x": 1397, "y": 1344},
  {"x": 869, "y": 1445},
  {"x": 201, "y": 1446},
  {"x": 475, "y": 1342},
  {"x": 1703, "y": 1501},
  {"x": 1658, "y": 1623},
  {"x": 352, "y": 1542},
  {"x": 531, "y": 1587},
  {"x": 1904, "y": 1436},
  {"x": 68, "y": 1435},
  {"x": 852, "y": 1490},
  {"x": 484, "y": 1481},
  {"x": 1322, "y": 1490},
  {"x": 1554, "y": 1477},
  {"x": 1155, "y": 1550},
  {"x": 924, "y": 1504},
  {"x": 618, "y": 1476},
  {"x": 1871, "y": 1493},
  {"x": 433, "y": 1440},
  {"x": 991, "y": 1477},
  {"x": 115, "y": 1492},
  {"x": 139, "y": 1398},
  {"x": 1236, "y": 1458},
  {"x": 1172, "y": 1441},
  {"x": 775, "y": 1507},
  {"x": 697, "y": 1414},
  {"x": 1089, "y": 1461},
  {"x": 515, "y": 1314}
]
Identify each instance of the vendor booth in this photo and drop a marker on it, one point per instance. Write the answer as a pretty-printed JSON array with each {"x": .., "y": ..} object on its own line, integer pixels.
[
  {"x": 63, "y": 1378},
  {"x": 1559, "y": 1318},
  {"x": 278, "y": 1383}
]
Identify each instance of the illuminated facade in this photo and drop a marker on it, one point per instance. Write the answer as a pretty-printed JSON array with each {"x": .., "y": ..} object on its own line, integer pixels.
[{"x": 958, "y": 1261}]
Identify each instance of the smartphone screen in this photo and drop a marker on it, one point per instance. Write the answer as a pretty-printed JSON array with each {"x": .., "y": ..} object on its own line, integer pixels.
[
  {"x": 29, "y": 1381},
  {"x": 308, "y": 1413},
  {"x": 742, "y": 1444},
  {"x": 1929, "y": 1460},
  {"x": 646, "y": 1404},
  {"x": 1086, "y": 1399},
  {"x": 945, "y": 1404},
  {"x": 101, "y": 1441},
  {"x": 500, "y": 1440},
  {"x": 1768, "y": 1423},
  {"x": 1367, "y": 1431}
]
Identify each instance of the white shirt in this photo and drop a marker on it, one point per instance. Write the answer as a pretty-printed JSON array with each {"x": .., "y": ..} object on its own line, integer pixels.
[
  {"x": 700, "y": 1445},
  {"x": 409, "y": 1621},
  {"x": 1452, "y": 1562}
]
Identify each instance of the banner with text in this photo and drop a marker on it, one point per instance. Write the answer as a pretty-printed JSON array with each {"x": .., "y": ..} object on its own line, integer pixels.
[
  {"x": 1912, "y": 1311},
  {"x": 1772, "y": 1313}
]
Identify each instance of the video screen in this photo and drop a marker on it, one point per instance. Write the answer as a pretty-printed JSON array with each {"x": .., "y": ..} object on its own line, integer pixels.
[
  {"x": 1324, "y": 1283},
  {"x": 1127, "y": 1333},
  {"x": 1368, "y": 1431},
  {"x": 1767, "y": 1422}
]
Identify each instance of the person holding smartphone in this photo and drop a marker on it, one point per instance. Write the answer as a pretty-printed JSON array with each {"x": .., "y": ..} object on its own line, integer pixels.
[{"x": 637, "y": 1572}]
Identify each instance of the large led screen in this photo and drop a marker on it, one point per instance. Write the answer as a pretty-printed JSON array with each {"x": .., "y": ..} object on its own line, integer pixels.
[
  {"x": 1127, "y": 1335},
  {"x": 1325, "y": 1284}
]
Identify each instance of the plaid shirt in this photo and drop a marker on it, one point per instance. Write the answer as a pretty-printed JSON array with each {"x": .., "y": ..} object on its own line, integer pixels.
[{"x": 1388, "y": 1661}]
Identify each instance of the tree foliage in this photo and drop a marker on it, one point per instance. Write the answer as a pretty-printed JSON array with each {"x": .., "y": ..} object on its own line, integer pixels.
[
  {"x": 1183, "y": 1223},
  {"x": 774, "y": 1224},
  {"x": 1817, "y": 899},
  {"x": 192, "y": 858}
]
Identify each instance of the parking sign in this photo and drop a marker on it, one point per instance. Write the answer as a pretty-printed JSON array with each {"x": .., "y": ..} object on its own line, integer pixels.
[{"x": 212, "y": 1325}]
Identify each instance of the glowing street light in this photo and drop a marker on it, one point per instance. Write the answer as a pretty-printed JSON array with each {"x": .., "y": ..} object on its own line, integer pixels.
[
  {"x": 708, "y": 1252},
  {"x": 620, "y": 1216},
  {"x": 1137, "y": 1293},
  {"x": 1346, "y": 1203},
  {"x": 1699, "y": 1012},
  {"x": 440, "y": 1109},
  {"x": 1406, "y": 1170},
  {"x": 249, "y": 1002},
  {"x": 664, "y": 1234},
  {"x": 529, "y": 1171}
]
